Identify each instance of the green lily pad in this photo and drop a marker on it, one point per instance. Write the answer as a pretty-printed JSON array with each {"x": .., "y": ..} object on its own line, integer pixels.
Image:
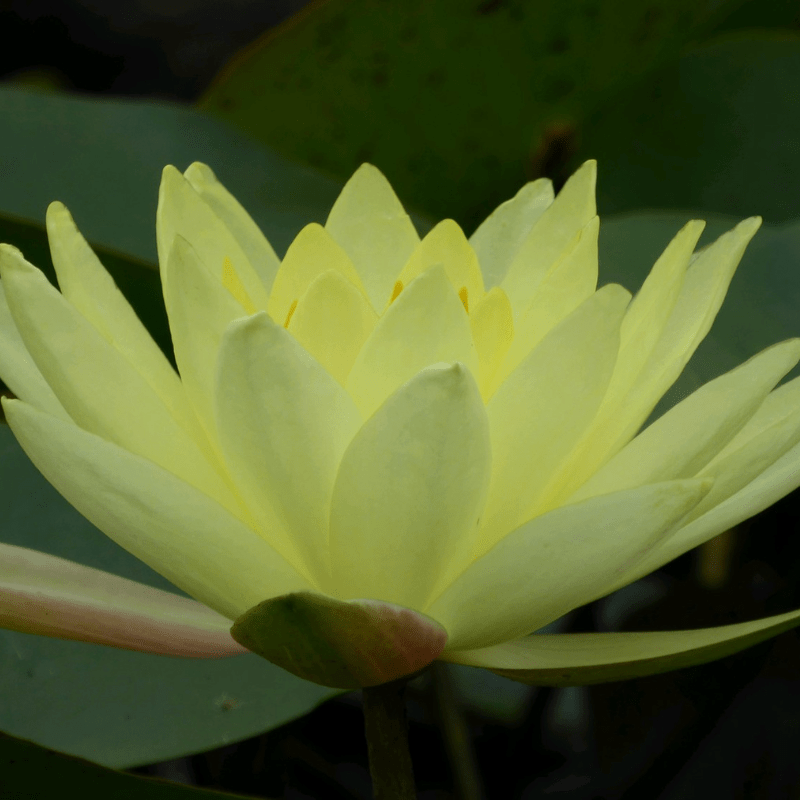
[
  {"x": 458, "y": 102},
  {"x": 717, "y": 130}
]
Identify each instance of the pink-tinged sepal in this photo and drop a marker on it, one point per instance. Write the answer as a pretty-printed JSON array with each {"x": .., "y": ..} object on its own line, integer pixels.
[{"x": 346, "y": 645}]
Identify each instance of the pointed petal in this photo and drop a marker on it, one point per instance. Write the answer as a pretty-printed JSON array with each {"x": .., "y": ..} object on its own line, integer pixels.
[
  {"x": 95, "y": 383},
  {"x": 182, "y": 212},
  {"x": 51, "y": 596},
  {"x": 557, "y": 562},
  {"x": 425, "y": 325},
  {"x": 18, "y": 370},
  {"x": 227, "y": 208},
  {"x": 283, "y": 424},
  {"x": 312, "y": 252},
  {"x": 555, "y": 230},
  {"x": 332, "y": 321},
  {"x": 681, "y": 442},
  {"x": 492, "y": 323},
  {"x": 346, "y": 645},
  {"x": 544, "y": 407},
  {"x": 579, "y": 659},
  {"x": 174, "y": 528},
  {"x": 499, "y": 237},
  {"x": 370, "y": 223},
  {"x": 410, "y": 489}
]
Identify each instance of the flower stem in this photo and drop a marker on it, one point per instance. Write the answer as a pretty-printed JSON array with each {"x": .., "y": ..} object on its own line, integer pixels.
[{"x": 386, "y": 729}]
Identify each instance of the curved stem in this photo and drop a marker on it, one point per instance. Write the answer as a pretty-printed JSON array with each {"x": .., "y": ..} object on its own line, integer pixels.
[{"x": 386, "y": 730}]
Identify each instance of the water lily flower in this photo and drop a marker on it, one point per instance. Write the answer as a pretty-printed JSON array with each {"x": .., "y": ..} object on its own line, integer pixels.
[{"x": 380, "y": 451}]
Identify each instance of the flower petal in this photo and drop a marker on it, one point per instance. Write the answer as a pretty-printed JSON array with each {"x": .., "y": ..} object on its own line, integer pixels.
[
  {"x": 425, "y": 325},
  {"x": 557, "y": 562},
  {"x": 239, "y": 223},
  {"x": 499, "y": 237},
  {"x": 552, "y": 234},
  {"x": 346, "y": 645},
  {"x": 492, "y": 324},
  {"x": 410, "y": 490},
  {"x": 579, "y": 659},
  {"x": 284, "y": 423},
  {"x": 95, "y": 383},
  {"x": 174, "y": 528},
  {"x": 182, "y": 212},
  {"x": 370, "y": 223},
  {"x": 51, "y": 596},
  {"x": 545, "y": 406}
]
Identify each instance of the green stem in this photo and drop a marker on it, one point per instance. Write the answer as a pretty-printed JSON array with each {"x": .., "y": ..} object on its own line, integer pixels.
[{"x": 386, "y": 729}]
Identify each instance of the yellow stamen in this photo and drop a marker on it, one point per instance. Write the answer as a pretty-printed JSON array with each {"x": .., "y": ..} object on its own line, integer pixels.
[
  {"x": 231, "y": 281},
  {"x": 289, "y": 315},
  {"x": 398, "y": 287},
  {"x": 462, "y": 293}
]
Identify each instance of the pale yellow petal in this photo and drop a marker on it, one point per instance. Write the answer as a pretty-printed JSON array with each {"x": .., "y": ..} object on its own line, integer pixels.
[
  {"x": 544, "y": 407},
  {"x": 425, "y": 325},
  {"x": 554, "y": 232},
  {"x": 580, "y": 659},
  {"x": 446, "y": 244},
  {"x": 284, "y": 423},
  {"x": 96, "y": 384},
  {"x": 410, "y": 490},
  {"x": 369, "y": 222},
  {"x": 177, "y": 530},
  {"x": 312, "y": 252},
  {"x": 252, "y": 241},
  {"x": 499, "y": 237},
  {"x": 183, "y": 212},
  {"x": 492, "y": 323},
  {"x": 332, "y": 321},
  {"x": 557, "y": 562}
]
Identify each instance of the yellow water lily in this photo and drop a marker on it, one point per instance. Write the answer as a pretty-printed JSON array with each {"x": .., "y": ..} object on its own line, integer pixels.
[{"x": 381, "y": 450}]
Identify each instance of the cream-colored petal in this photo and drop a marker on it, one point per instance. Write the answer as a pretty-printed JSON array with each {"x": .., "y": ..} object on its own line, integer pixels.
[
  {"x": 410, "y": 490},
  {"x": 579, "y": 659},
  {"x": 199, "y": 311},
  {"x": 252, "y": 241},
  {"x": 284, "y": 423},
  {"x": 312, "y": 252},
  {"x": 177, "y": 530},
  {"x": 542, "y": 410},
  {"x": 629, "y": 401},
  {"x": 96, "y": 384},
  {"x": 427, "y": 324},
  {"x": 554, "y": 232},
  {"x": 446, "y": 244},
  {"x": 499, "y": 237},
  {"x": 18, "y": 370},
  {"x": 492, "y": 323},
  {"x": 557, "y": 562},
  {"x": 332, "y": 321},
  {"x": 85, "y": 283},
  {"x": 572, "y": 280},
  {"x": 690, "y": 434},
  {"x": 183, "y": 212},
  {"x": 51, "y": 596},
  {"x": 370, "y": 223}
]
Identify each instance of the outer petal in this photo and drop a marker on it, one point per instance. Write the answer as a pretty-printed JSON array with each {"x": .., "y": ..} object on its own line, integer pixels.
[
  {"x": 18, "y": 370},
  {"x": 499, "y": 237},
  {"x": 425, "y": 325},
  {"x": 51, "y": 596},
  {"x": 553, "y": 233},
  {"x": 171, "y": 526},
  {"x": 578, "y": 659},
  {"x": 284, "y": 423},
  {"x": 690, "y": 434},
  {"x": 544, "y": 407},
  {"x": 410, "y": 489},
  {"x": 96, "y": 384},
  {"x": 557, "y": 562},
  {"x": 227, "y": 208},
  {"x": 369, "y": 222},
  {"x": 182, "y": 212}
]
